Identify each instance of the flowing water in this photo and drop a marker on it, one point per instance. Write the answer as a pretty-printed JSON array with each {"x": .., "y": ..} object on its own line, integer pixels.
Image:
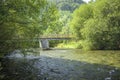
[{"x": 61, "y": 64}]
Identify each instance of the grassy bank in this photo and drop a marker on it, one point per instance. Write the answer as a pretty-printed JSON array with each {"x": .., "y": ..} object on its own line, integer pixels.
[{"x": 70, "y": 44}]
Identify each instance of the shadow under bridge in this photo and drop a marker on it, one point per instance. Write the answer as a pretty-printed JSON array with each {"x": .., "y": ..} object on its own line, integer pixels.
[{"x": 44, "y": 39}]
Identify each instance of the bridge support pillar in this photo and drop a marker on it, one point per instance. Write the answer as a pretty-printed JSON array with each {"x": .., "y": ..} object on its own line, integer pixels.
[{"x": 44, "y": 44}]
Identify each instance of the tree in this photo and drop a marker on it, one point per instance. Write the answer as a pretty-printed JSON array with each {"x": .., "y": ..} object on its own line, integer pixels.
[
  {"x": 80, "y": 16},
  {"x": 96, "y": 24},
  {"x": 66, "y": 8},
  {"x": 22, "y": 19}
]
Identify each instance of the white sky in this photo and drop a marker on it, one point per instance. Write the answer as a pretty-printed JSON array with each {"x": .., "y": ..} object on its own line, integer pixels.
[{"x": 86, "y": 0}]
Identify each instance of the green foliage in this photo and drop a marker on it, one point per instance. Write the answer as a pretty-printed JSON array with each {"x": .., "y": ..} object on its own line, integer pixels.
[
  {"x": 23, "y": 19},
  {"x": 97, "y": 24},
  {"x": 53, "y": 24},
  {"x": 66, "y": 7},
  {"x": 80, "y": 16}
]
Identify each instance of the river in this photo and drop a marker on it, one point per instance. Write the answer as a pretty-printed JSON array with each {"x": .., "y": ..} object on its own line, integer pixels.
[{"x": 61, "y": 64}]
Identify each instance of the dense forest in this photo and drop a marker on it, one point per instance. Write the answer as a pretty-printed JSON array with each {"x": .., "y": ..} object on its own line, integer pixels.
[
  {"x": 65, "y": 8},
  {"x": 24, "y": 19},
  {"x": 97, "y": 25},
  {"x": 94, "y": 25},
  {"x": 67, "y": 5}
]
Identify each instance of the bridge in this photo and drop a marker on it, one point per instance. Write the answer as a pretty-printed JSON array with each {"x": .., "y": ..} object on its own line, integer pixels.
[
  {"x": 44, "y": 39},
  {"x": 55, "y": 36}
]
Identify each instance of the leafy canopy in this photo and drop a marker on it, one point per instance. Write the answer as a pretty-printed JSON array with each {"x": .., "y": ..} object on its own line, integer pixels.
[{"x": 96, "y": 24}]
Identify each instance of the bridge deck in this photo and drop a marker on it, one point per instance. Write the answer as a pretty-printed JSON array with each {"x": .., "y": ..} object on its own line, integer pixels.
[
  {"x": 48, "y": 37},
  {"x": 56, "y": 36}
]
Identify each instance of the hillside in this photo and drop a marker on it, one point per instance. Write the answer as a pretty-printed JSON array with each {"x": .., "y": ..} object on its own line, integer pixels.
[{"x": 67, "y": 5}]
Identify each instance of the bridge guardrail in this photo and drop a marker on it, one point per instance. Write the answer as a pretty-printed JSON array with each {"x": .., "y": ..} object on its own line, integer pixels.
[{"x": 56, "y": 36}]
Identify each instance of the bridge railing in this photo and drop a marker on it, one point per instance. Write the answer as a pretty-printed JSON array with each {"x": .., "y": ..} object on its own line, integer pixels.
[{"x": 56, "y": 36}]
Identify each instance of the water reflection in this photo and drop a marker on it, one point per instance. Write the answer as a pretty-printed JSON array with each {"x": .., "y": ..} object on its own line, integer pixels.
[{"x": 48, "y": 66}]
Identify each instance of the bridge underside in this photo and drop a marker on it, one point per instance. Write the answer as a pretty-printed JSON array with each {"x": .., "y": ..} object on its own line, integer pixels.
[{"x": 44, "y": 42}]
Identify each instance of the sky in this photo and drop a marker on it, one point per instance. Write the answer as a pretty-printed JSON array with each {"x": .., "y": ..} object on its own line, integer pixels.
[{"x": 86, "y": 0}]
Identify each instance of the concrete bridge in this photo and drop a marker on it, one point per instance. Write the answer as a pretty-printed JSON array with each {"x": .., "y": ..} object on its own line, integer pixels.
[{"x": 44, "y": 39}]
